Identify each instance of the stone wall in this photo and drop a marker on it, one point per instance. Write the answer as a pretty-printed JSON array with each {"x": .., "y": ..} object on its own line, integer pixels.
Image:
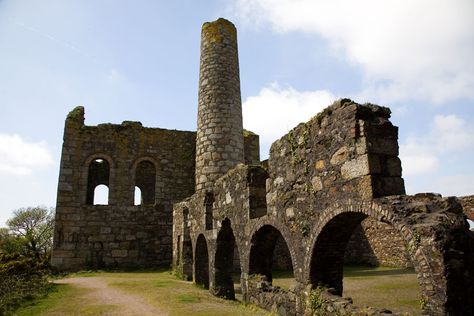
[
  {"x": 119, "y": 234},
  {"x": 378, "y": 244},
  {"x": 262, "y": 293},
  {"x": 324, "y": 178},
  {"x": 251, "y": 148},
  {"x": 468, "y": 206}
]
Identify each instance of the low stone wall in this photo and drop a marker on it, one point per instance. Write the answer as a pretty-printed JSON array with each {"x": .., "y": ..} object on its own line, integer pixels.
[
  {"x": 321, "y": 301},
  {"x": 261, "y": 293}
]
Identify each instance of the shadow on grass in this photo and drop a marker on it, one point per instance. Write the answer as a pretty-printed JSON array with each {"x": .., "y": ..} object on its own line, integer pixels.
[{"x": 364, "y": 271}]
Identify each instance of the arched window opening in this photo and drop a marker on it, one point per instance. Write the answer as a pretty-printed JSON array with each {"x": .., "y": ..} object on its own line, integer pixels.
[
  {"x": 208, "y": 205},
  {"x": 138, "y": 196},
  {"x": 145, "y": 180},
  {"x": 98, "y": 174},
  {"x": 225, "y": 255},
  {"x": 101, "y": 195},
  {"x": 338, "y": 262},
  {"x": 201, "y": 259},
  {"x": 270, "y": 256}
]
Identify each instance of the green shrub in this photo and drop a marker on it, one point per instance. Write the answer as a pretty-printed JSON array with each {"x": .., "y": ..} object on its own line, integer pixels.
[{"x": 22, "y": 278}]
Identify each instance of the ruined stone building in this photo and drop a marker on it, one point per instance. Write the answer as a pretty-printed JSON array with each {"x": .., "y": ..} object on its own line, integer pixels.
[{"x": 210, "y": 207}]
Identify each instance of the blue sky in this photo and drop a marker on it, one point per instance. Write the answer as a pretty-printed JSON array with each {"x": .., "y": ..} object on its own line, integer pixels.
[{"x": 139, "y": 60}]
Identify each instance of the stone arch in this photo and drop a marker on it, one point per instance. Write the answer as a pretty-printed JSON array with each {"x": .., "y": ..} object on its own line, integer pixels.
[
  {"x": 99, "y": 172},
  {"x": 92, "y": 157},
  {"x": 201, "y": 262},
  {"x": 224, "y": 261},
  {"x": 324, "y": 263},
  {"x": 263, "y": 241}
]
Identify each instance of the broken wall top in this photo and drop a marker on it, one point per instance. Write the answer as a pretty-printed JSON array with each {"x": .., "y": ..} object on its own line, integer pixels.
[{"x": 347, "y": 151}]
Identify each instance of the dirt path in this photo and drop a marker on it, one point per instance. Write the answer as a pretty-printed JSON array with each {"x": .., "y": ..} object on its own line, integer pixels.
[{"x": 101, "y": 294}]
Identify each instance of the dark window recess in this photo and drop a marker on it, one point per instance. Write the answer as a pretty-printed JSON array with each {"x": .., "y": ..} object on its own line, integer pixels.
[
  {"x": 208, "y": 203},
  {"x": 98, "y": 173},
  {"x": 145, "y": 179}
]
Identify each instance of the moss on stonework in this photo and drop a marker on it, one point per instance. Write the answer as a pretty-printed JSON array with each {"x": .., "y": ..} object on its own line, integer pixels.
[
  {"x": 132, "y": 124},
  {"x": 247, "y": 133},
  {"x": 326, "y": 112},
  {"x": 213, "y": 31},
  {"x": 77, "y": 113}
]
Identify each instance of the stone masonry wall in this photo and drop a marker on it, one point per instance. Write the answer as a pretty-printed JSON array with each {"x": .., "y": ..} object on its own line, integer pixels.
[
  {"x": 347, "y": 151},
  {"x": 119, "y": 234},
  {"x": 378, "y": 244},
  {"x": 324, "y": 178},
  {"x": 468, "y": 206}
]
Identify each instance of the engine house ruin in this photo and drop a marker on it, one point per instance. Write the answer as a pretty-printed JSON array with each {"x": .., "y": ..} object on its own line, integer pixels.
[{"x": 209, "y": 207}]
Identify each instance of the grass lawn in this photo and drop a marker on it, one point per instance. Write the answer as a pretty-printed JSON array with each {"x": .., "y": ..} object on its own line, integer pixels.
[
  {"x": 383, "y": 287},
  {"x": 395, "y": 289},
  {"x": 55, "y": 303},
  {"x": 159, "y": 289}
]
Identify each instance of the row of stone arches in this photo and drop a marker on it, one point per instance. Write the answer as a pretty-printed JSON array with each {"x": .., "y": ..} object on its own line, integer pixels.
[
  {"x": 227, "y": 257},
  {"x": 318, "y": 259},
  {"x": 100, "y": 175}
]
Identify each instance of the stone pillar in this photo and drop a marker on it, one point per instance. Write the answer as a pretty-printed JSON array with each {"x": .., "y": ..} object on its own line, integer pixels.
[{"x": 219, "y": 139}]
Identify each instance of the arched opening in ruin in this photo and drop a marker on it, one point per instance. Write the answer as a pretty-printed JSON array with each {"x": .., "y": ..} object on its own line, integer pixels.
[
  {"x": 374, "y": 243},
  {"x": 271, "y": 257},
  {"x": 224, "y": 262},
  {"x": 145, "y": 180},
  {"x": 137, "y": 196},
  {"x": 201, "y": 259},
  {"x": 101, "y": 195},
  {"x": 98, "y": 174},
  {"x": 370, "y": 278}
]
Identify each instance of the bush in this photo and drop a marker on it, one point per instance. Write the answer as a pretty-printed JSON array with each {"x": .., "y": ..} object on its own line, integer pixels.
[{"x": 22, "y": 278}]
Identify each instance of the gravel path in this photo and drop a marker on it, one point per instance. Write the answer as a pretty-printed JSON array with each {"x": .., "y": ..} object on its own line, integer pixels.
[{"x": 101, "y": 294}]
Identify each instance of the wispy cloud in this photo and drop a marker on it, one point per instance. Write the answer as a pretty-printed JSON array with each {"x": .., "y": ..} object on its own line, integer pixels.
[
  {"x": 20, "y": 158},
  {"x": 52, "y": 38},
  {"x": 407, "y": 49}
]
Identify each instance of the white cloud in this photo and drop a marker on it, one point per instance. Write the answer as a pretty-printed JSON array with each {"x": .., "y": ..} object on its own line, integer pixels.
[
  {"x": 18, "y": 157},
  {"x": 275, "y": 110},
  {"x": 407, "y": 49},
  {"x": 449, "y": 134},
  {"x": 418, "y": 162},
  {"x": 452, "y": 133}
]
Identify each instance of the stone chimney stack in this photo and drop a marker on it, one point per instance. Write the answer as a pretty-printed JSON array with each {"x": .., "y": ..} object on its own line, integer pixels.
[{"x": 219, "y": 140}]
